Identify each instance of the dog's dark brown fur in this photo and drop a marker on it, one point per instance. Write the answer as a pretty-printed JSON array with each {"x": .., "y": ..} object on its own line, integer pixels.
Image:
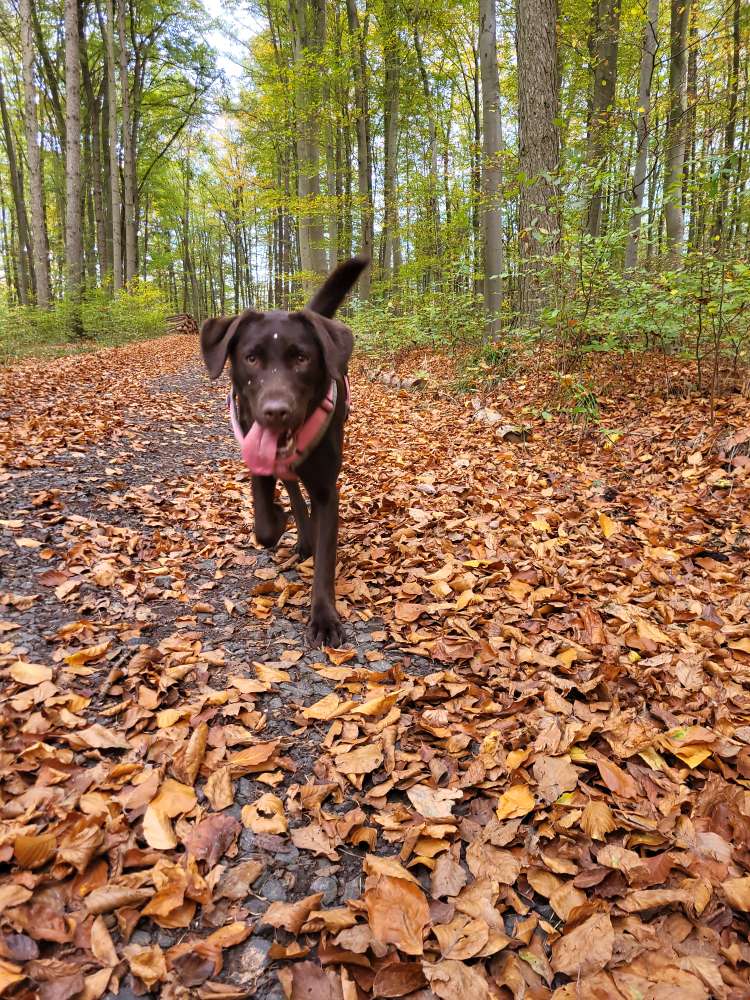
[{"x": 281, "y": 367}]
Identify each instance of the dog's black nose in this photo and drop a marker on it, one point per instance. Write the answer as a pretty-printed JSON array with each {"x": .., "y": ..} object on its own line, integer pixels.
[{"x": 276, "y": 412}]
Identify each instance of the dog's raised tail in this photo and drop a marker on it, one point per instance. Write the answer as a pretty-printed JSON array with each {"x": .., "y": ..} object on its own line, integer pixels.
[{"x": 339, "y": 282}]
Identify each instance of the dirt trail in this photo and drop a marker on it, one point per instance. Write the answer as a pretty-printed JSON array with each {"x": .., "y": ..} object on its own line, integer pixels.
[{"x": 543, "y": 699}]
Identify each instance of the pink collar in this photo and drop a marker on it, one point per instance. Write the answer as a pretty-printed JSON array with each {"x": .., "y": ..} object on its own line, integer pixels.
[{"x": 260, "y": 447}]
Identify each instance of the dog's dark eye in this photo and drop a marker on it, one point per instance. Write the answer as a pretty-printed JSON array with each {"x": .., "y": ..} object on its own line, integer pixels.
[
  {"x": 300, "y": 358},
  {"x": 252, "y": 359}
]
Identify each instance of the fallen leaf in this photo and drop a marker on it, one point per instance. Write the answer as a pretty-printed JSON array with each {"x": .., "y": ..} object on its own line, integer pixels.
[
  {"x": 173, "y": 799},
  {"x": 518, "y": 800},
  {"x": 210, "y": 839},
  {"x": 398, "y": 914},
  {"x": 265, "y": 815},
  {"x": 291, "y": 916},
  {"x": 554, "y": 775},
  {"x": 30, "y": 673},
  {"x": 587, "y": 948},
  {"x": 433, "y": 803}
]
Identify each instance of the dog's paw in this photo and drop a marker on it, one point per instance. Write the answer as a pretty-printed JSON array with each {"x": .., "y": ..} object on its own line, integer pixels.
[
  {"x": 270, "y": 528},
  {"x": 325, "y": 628},
  {"x": 303, "y": 548}
]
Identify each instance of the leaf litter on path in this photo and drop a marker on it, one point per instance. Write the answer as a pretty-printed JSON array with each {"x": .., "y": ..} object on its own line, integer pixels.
[{"x": 527, "y": 775}]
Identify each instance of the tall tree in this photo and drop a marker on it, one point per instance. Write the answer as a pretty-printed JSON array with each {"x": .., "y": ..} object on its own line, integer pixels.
[
  {"x": 729, "y": 154},
  {"x": 538, "y": 149},
  {"x": 604, "y": 40},
  {"x": 648, "y": 58},
  {"x": 33, "y": 155},
  {"x": 433, "y": 202},
  {"x": 391, "y": 245},
  {"x": 94, "y": 138},
  {"x": 675, "y": 153},
  {"x": 25, "y": 253},
  {"x": 364, "y": 152},
  {"x": 114, "y": 160},
  {"x": 73, "y": 219},
  {"x": 491, "y": 210},
  {"x": 308, "y": 19},
  {"x": 128, "y": 153}
]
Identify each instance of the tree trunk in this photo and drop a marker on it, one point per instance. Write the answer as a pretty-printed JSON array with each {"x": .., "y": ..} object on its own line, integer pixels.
[
  {"x": 648, "y": 58},
  {"x": 25, "y": 254},
  {"x": 364, "y": 157},
  {"x": 128, "y": 152},
  {"x": 675, "y": 140},
  {"x": 696, "y": 197},
  {"x": 539, "y": 150},
  {"x": 729, "y": 164},
  {"x": 433, "y": 201},
  {"x": 391, "y": 250},
  {"x": 73, "y": 219},
  {"x": 492, "y": 222},
  {"x": 114, "y": 164},
  {"x": 33, "y": 154},
  {"x": 476, "y": 179},
  {"x": 96, "y": 163},
  {"x": 308, "y": 20},
  {"x": 603, "y": 45}
]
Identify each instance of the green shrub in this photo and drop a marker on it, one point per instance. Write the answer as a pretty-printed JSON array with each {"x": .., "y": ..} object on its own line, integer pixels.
[
  {"x": 137, "y": 313},
  {"x": 435, "y": 319}
]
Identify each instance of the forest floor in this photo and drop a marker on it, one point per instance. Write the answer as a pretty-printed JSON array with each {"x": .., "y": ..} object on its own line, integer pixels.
[{"x": 526, "y": 775}]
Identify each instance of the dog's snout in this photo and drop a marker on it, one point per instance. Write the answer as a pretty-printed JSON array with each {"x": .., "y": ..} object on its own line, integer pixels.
[{"x": 276, "y": 411}]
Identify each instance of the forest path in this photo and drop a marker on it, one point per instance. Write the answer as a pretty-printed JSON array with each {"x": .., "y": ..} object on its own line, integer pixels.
[{"x": 543, "y": 695}]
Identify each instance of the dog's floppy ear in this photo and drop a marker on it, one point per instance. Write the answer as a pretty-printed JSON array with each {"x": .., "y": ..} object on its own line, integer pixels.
[
  {"x": 217, "y": 335},
  {"x": 336, "y": 341}
]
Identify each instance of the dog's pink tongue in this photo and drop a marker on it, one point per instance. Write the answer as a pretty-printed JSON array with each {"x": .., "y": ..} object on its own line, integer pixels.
[{"x": 259, "y": 450}]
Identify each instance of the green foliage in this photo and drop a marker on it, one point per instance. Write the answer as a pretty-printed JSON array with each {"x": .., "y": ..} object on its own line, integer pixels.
[
  {"x": 700, "y": 312},
  {"x": 440, "y": 320},
  {"x": 135, "y": 314}
]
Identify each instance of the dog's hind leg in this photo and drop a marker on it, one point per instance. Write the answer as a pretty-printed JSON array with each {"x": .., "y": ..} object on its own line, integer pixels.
[
  {"x": 270, "y": 517},
  {"x": 302, "y": 520}
]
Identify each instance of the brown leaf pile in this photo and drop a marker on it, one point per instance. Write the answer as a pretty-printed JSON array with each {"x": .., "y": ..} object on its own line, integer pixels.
[{"x": 541, "y": 773}]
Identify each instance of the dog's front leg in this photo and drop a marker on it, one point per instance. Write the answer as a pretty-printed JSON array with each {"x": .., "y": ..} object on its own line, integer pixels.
[
  {"x": 270, "y": 517},
  {"x": 325, "y": 624},
  {"x": 305, "y": 543}
]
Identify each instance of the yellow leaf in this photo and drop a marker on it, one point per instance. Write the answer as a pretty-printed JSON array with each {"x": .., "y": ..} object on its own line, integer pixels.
[
  {"x": 219, "y": 790},
  {"x": 567, "y": 658},
  {"x": 265, "y": 815},
  {"x": 268, "y": 674},
  {"x": 597, "y": 820},
  {"x": 608, "y": 526},
  {"x": 692, "y": 754},
  {"x": 516, "y": 802},
  {"x": 653, "y": 758},
  {"x": 9, "y": 974},
  {"x": 329, "y": 708},
  {"x": 86, "y": 655},
  {"x": 33, "y": 852},
  {"x": 377, "y": 706},
  {"x": 168, "y": 717},
  {"x": 172, "y": 799},
  {"x": 246, "y": 685},
  {"x": 361, "y": 760},
  {"x": 464, "y": 599},
  {"x": 30, "y": 673},
  {"x": 516, "y": 757},
  {"x": 649, "y": 631}
]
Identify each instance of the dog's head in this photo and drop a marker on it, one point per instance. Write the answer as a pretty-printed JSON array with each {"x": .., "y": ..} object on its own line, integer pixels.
[{"x": 282, "y": 362}]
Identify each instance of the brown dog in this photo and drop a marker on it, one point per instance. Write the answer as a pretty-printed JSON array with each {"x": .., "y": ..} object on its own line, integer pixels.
[{"x": 289, "y": 402}]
